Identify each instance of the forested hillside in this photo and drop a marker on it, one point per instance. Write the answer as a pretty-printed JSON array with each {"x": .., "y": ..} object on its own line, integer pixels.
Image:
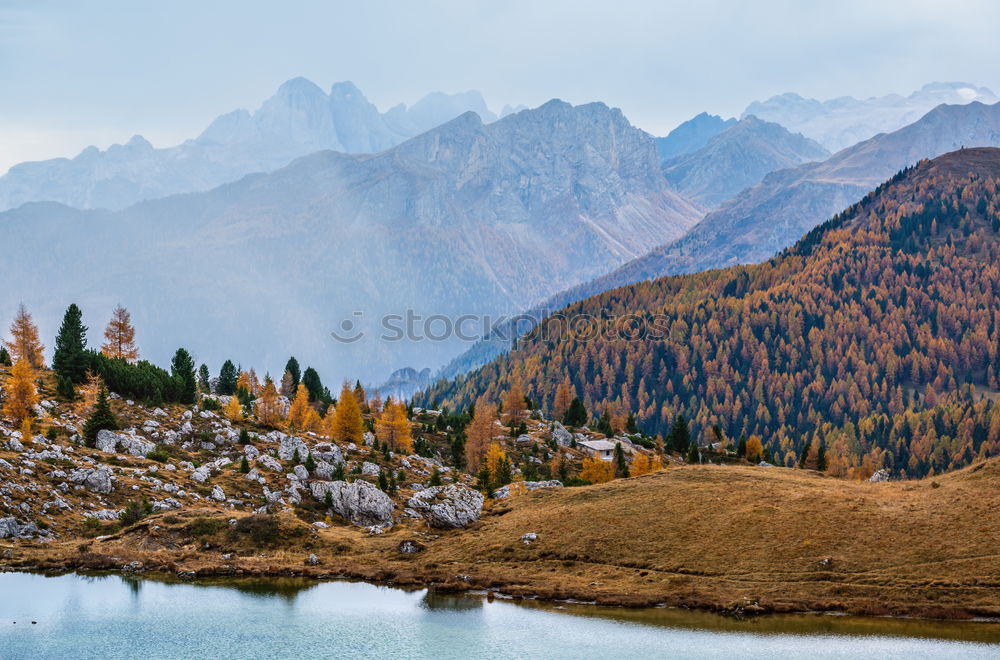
[{"x": 871, "y": 343}]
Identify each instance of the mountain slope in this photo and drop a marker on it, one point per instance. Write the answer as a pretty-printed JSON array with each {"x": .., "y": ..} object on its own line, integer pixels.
[
  {"x": 768, "y": 217},
  {"x": 859, "y": 338},
  {"x": 692, "y": 135},
  {"x": 737, "y": 158},
  {"x": 464, "y": 219},
  {"x": 842, "y": 122},
  {"x": 299, "y": 119}
]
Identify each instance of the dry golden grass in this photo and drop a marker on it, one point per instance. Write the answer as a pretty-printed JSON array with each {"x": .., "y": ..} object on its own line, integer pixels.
[{"x": 740, "y": 538}]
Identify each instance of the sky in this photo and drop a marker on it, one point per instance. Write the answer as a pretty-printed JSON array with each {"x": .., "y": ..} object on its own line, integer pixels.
[{"x": 74, "y": 74}]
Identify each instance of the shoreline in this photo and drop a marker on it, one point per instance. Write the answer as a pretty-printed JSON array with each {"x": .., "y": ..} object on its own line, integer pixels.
[{"x": 173, "y": 572}]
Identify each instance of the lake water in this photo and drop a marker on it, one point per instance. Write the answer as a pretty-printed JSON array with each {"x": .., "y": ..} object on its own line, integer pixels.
[{"x": 114, "y": 617}]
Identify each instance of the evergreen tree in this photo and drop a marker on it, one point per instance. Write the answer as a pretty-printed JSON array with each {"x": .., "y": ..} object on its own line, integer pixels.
[
  {"x": 693, "y": 456},
  {"x": 604, "y": 425},
  {"x": 804, "y": 456},
  {"x": 630, "y": 426},
  {"x": 227, "y": 378},
  {"x": 576, "y": 415},
  {"x": 182, "y": 371},
  {"x": 504, "y": 471},
  {"x": 292, "y": 367},
  {"x": 621, "y": 465},
  {"x": 244, "y": 465},
  {"x": 71, "y": 358},
  {"x": 310, "y": 378},
  {"x": 64, "y": 387},
  {"x": 338, "y": 472},
  {"x": 204, "y": 379},
  {"x": 821, "y": 462},
  {"x": 5, "y": 359},
  {"x": 310, "y": 463},
  {"x": 741, "y": 448},
  {"x": 435, "y": 479},
  {"x": 103, "y": 418},
  {"x": 383, "y": 481},
  {"x": 680, "y": 435},
  {"x": 483, "y": 479},
  {"x": 244, "y": 437}
]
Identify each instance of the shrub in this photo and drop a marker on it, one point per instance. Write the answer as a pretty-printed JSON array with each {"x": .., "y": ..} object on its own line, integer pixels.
[
  {"x": 259, "y": 529},
  {"x": 205, "y": 526},
  {"x": 159, "y": 454},
  {"x": 209, "y": 403},
  {"x": 135, "y": 510}
]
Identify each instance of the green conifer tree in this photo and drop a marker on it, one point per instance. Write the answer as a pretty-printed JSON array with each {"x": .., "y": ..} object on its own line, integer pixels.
[
  {"x": 103, "y": 418},
  {"x": 71, "y": 359}
]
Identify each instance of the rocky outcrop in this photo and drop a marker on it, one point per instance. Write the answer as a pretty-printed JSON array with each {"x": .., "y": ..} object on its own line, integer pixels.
[
  {"x": 359, "y": 502},
  {"x": 562, "y": 437},
  {"x": 448, "y": 507},
  {"x": 109, "y": 442},
  {"x": 97, "y": 480},
  {"x": 880, "y": 475},
  {"x": 11, "y": 529}
]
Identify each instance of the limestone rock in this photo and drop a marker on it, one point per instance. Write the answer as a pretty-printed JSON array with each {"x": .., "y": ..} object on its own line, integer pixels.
[
  {"x": 360, "y": 502},
  {"x": 97, "y": 480},
  {"x": 448, "y": 507}
]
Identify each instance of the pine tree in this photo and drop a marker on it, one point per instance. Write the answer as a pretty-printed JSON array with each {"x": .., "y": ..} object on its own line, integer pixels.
[
  {"x": 680, "y": 435},
  {"x": 204, "y": 380},
  {"x": 103, "y": 418},
  {"x": 310, "y": 463},
  {"x": 292, "y": 368},
  {"x": 20, "y": 395},
  {"x": 821, "y": 462},
  {"x": 630, "y": 426},
  {"x": 5, "y": 359},
  {"x": 312, "y": 381},
  {"x": 120, "y": 337},
  {"x": 70, "y": 359},
  {"x": 24, "y": 342},
  {"x": 348, "y": 425},
  {"x": 435, "y": 479},
  {"x": 576, "y": 415},
  {"x": 244, "y": 465},
  {"x": 182, "y": 371},
  {"x": 227, "y": 378},
  {"x": 693, "y": 455},
  {"x": 244, "y": 437},
  {"x": 64, "y": 388},
  {"x": 621, "y": 464},
  {"x": 741, "y": 448}
]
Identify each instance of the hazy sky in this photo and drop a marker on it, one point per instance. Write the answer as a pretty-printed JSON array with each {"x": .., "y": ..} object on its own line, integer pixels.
[{"x": 97, "y": 72}]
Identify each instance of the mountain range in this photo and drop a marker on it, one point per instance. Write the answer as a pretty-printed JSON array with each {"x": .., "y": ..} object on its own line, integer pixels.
[
  {"x": 738, "y": 158},
  {"x": 841, "y": 122},
  {"x": 298, "y": 120},
  {"x": 467, "y": 218}
]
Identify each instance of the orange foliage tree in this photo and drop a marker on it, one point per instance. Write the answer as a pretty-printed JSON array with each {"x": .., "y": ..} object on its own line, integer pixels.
[
  {"x": 120, "y": 336},
  {"x": 24, "y": 342}
]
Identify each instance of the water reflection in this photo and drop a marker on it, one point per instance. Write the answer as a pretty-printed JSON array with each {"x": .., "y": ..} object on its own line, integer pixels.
[{"x": 451, "y": 602}]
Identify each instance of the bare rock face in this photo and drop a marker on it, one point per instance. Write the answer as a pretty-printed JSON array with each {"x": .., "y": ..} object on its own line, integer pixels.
[
  {"x": 448, "y": 507},
  {"x": 109, "y": 442},
  {"x": 97, "y": 480},
  {"x": 360, "y": 502}
]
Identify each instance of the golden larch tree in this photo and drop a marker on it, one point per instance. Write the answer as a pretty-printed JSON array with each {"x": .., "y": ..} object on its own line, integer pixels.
[
  {"x": 479, "y": 434},
  {"x": 20, "y": 395},
  {"x": 393, "y": 427},
  {"x": 86, "y": 394},
  {"x": 268, "y": 405},
  {"x": 120, "y": 336},
  {"x": 564, "y": 397},
  {"x": 348, "y": 425},
  {"x": 597, "y": 471},
  {"x": 514, "y": 408},
  {"x": 298, "y": 413},
  {"x": 24, "y": 343},
  {"x": 233, "y": 410}
]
